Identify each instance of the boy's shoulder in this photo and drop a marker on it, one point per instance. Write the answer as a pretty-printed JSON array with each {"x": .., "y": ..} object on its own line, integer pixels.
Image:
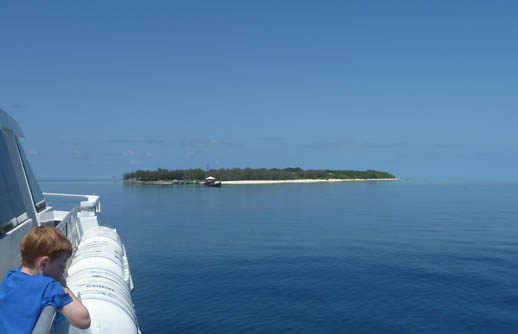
[
  {"x": 15, "y": 277},
  {"x": 37, "y": 287}
]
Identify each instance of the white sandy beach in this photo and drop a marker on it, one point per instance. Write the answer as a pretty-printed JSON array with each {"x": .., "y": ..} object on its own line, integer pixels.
[{"x": 302, "y": 181}]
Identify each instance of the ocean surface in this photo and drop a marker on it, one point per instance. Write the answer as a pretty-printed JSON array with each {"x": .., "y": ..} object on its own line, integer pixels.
[{"x": 380, "y": 257}]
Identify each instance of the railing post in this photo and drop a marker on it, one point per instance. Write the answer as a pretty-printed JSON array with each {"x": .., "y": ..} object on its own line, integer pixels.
[{"x": 45, "y": 320}]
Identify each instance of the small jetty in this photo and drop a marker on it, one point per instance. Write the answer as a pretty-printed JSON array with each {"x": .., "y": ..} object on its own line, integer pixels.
[
  {"x": 209, "y": 182},
  {"x": 182, "y": 182}
]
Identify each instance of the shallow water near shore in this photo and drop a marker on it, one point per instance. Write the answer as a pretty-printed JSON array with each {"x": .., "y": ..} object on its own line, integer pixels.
[{"x": 317, "y": 258}]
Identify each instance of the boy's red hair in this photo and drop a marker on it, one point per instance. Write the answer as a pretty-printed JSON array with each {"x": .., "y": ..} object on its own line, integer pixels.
[{"x": 44, "y": 241}]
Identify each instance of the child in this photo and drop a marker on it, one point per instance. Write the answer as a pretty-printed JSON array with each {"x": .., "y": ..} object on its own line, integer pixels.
[{"x": 39, "y": 282}]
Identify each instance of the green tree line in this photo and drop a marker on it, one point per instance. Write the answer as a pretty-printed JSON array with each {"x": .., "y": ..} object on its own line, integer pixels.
[{"x": 240, "y": 174}]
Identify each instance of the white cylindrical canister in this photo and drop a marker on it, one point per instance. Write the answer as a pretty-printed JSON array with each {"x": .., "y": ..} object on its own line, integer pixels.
[{"x": 98, "y": 276}]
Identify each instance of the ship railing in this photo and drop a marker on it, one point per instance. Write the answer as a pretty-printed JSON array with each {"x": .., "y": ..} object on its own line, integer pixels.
[
  {"x": 69, "y": 225},
  {"x": 45, "y": 320},
  {"x": 71, "y": 228}
]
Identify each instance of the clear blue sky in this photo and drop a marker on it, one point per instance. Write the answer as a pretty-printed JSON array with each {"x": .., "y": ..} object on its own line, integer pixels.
[{"x": 417, "y": 88}]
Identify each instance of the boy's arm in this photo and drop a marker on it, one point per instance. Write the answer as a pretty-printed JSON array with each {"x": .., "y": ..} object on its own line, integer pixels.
[{"x": 75, "y": 312}]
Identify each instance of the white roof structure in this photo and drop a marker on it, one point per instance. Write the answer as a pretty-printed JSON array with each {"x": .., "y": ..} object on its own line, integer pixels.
[{"x": 210, "y": 178}]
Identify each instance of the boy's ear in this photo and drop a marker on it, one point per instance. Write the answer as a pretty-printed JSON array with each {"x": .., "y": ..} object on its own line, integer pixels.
[{"x": 42, "y": 262}]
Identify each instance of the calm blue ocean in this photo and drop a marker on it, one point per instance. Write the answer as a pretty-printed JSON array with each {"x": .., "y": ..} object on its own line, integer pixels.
[{"x": 406, "y": 256}]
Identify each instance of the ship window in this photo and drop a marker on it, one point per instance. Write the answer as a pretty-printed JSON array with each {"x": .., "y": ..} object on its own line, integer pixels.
[
  {"x": 12, "y": 210},
  {"x": 37, "y": 196}
]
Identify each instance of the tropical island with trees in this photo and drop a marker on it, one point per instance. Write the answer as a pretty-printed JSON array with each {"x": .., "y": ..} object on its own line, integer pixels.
[{"x": 255, "y": 175}]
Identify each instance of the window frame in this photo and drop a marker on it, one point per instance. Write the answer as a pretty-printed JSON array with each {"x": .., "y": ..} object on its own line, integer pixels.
[{"x": 18, "y": 213}]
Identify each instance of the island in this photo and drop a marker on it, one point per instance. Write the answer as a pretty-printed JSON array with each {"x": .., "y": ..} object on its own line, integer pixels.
[{"x": 254, "y": 176}]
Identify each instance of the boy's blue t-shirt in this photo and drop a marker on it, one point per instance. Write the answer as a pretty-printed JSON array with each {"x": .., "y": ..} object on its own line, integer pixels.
[{"x": 23, "y": 296}]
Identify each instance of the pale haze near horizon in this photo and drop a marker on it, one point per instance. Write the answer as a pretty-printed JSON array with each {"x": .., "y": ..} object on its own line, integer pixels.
[{"x": 417, "y": 89}]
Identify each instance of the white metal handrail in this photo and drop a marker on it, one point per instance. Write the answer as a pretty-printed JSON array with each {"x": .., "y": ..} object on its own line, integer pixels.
[
  {"x": 69, "y": 224},
  {"x": 70, "y": 227},
  {"x": 91, "y": 200},
  {"x": 45, "y": 320}
]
